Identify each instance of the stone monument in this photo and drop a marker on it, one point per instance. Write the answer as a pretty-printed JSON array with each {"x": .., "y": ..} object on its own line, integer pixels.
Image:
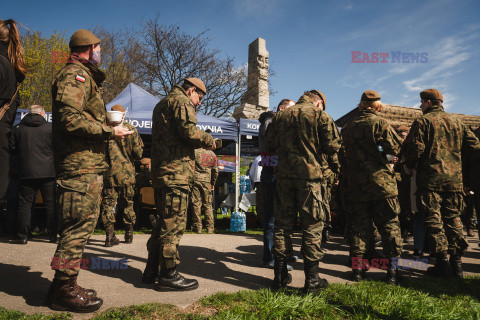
[{"x": 256, "y": 99}]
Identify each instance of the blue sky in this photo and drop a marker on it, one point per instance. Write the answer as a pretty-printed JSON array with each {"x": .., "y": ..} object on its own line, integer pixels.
[{"x": 311, "y": 42}]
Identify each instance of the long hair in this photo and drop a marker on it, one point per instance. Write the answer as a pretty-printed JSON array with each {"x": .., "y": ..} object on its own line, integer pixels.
[{"x": 15, "y": 50}]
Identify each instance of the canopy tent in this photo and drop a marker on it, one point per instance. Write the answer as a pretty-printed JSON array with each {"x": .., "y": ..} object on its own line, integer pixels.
[
  {"x": 140, "y": 105},
  {"x": 248, "y": 127}
]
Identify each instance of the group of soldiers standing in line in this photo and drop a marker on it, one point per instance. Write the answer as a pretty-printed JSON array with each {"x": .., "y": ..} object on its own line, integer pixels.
[
  {"x": 306, "y": 142},
  {"x": 302, "y": 136}
]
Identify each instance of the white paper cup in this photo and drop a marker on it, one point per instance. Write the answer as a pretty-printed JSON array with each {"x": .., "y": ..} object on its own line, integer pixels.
[{"x": 115, "y": 116}]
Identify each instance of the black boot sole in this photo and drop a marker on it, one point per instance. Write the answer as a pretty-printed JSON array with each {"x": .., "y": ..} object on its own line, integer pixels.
[{"x": 165, "y": 288}]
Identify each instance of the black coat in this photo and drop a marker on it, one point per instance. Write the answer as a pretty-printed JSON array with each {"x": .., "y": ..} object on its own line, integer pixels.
[{"x": 31, "y": 142}]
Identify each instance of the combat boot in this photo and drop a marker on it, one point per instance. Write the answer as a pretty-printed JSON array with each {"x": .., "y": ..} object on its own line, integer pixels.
[
  {"x": 171, "y": 280},
  {"x": 150, "y": 275},
  {"x": 129, "y": 234},
  {"x": 441, "y": 267},
  {"x": 358, "y": 275},
  {"x": 110, "y": 239},
  {"x": 281, "y": 275},
  {"x": 53, "y": 286},
  {"x": 67, "y": 296},
  {"x": 456, "y": 266},
  {"x": 393, "y": 275},
  {"x": 312, "y": 281}
]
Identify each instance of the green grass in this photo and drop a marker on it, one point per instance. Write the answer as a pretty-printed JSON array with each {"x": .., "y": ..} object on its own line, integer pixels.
[{"x": 426, "y": 298}]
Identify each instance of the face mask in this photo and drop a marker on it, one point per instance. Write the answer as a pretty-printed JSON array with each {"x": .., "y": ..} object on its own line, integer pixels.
[{"x": 96, "y": 57}]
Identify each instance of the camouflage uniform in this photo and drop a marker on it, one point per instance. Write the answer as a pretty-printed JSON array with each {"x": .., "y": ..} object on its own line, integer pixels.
[
  {"x": 206, "y": 174},
  {"x": 371, "y": 183},
  {"x": 120, "y": 179},
  {"x": 434, "y": 147},
  {"x": 299, "y": 136},
  {"x": 330, "y": 169},
  {"x": 174, "y": 140},
  {"x": 80, "y": 135}
]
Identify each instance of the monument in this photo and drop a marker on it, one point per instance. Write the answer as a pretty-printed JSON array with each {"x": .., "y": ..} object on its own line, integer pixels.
[{"x": 256, "y": 99}]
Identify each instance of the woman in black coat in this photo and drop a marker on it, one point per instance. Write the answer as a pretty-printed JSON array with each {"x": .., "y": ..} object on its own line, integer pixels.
[{"x": 12, "y": 73}]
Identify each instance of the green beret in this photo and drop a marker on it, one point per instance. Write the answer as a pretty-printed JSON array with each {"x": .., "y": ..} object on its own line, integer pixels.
[
  {"x": 321, "y": 95},
  {"x": 197, "y": 83},
  {"x": 82, "y": 38},
  {"x": 431, "y": 94},
  {"x": 370, "y": 95}
]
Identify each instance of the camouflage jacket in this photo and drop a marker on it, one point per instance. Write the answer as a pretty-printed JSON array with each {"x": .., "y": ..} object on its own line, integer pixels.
[
  {"x": 434, "y": 147},
  {"x": 300, "y": 135},
  {"x": 330, "y": 167},
  {"x": 123, "y": 153},
  {"x": 206, "y": 169},
  {"x": 369, "y": 174},
  {"x": 175, "y": 137},
  {"x": 79, "y": 127}
]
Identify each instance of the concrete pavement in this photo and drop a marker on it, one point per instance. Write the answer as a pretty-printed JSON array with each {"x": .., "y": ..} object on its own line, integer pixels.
[{"x": 220, "y": 262}]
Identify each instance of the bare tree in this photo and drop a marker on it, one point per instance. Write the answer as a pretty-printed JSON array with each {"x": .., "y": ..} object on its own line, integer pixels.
[
  {"x": 121, "y": 57},
  {"x": 170, "y": 55}
]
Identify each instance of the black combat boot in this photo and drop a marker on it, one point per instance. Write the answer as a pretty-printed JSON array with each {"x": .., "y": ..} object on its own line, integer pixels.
[
  {"x": 281, "y": 275},
  {"x": 171, "y": 280},
  {"x": 441, "y": 267},
  {"x": 456, "y": 266},
  {"x": 358, "y": 275},
  {"x": 110, "y": 239},
  {"x": 312, "y": 281},
  {"x": 66, "y": 295},
  {"x": 129, "y": 234},
  {"x": 150, "y": 275},
  {"x": 393, "y": 274}
]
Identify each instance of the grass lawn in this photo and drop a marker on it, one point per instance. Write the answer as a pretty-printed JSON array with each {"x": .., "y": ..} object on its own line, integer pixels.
[{"x": 427, "y": 298}]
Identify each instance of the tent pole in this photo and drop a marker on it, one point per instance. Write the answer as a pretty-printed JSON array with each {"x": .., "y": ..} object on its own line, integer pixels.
[{"x": 237, "y": 171}]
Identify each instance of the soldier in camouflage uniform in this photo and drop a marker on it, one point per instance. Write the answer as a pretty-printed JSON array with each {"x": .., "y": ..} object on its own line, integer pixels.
[
  {"x": 372, "y": 187},
  {"x": 174, "y": 140},
  {"x": 119, "y": 183},
  {"x": 434, "y": 148},
  {"x": 330, "y": 170},
  {"x": 206, "y": 174},
  {"x": 80, "y": 136},
  {"x": 300, "y": 135}
]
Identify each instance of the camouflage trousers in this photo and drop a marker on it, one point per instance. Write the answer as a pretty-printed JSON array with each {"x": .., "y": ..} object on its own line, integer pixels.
[
  {"x": 202, "y": 203},
  {"x": 326, "y": 198},
  {"x": 172, "y": 212},
  {"x": 304, "y": 197},
  {"x": 469, "y": 214},
  {"x": 123, "y": 196},
  {"x": 384, "y": 215},
  {"x": 78, "y": 207},
  {"x": 441, "y": 213}
]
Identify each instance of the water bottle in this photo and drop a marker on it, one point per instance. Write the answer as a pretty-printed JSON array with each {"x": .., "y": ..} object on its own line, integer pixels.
[
  {"x": 234, "y": 222},
  {"x": 242, "y": 222}
]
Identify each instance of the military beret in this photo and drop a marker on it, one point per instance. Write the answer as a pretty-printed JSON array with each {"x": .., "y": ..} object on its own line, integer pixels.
[
  {"x": 83, "y": 37},
  {"x": 197, "y": 83},
  {"x": 321, "y": 95},
  {"x": 431, "y": 94},
  {"x": 118, "y": 107},
  {"x": 370, "y": 95}
]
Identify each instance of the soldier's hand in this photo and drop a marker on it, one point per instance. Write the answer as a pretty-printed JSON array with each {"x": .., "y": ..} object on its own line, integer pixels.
[
  {"x": 121, "y": 132},
  {"x": 213, "y": 146}
]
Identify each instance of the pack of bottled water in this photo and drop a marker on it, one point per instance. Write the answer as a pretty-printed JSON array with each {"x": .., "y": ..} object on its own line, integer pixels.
[
  {"x": 238, "y": 222},
  {"x": 245, "y": 184}
]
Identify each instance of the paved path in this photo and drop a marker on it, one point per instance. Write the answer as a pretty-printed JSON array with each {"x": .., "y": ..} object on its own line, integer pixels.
[{"x": 220, "y": 262}]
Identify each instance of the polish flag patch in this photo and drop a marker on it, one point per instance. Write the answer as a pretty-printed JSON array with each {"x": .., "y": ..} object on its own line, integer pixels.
[{"x": 79, "y": 78}]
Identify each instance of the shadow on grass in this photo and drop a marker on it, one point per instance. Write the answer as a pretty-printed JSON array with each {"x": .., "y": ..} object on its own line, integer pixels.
[{"x": 437, "y": 287}]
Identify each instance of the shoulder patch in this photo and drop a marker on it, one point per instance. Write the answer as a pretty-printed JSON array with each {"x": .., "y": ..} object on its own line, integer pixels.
[{"x": 79, "y": 78}]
